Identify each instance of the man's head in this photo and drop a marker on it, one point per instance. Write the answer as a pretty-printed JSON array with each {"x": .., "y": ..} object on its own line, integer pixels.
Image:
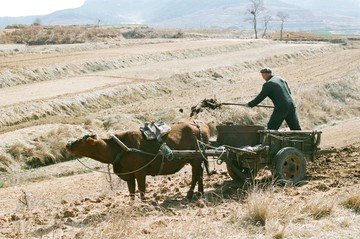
[{"x": 266, "y": 73}]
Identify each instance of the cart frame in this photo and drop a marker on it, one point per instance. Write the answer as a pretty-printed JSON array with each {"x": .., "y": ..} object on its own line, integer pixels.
[{"x": 248, "y": 149}]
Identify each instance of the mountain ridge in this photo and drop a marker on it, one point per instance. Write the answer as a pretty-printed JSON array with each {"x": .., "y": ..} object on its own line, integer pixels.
[{"x": 309, "y": 16}]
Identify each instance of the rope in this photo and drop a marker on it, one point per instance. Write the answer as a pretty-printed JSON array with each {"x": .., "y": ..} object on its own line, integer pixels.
[
  {"x": 223, "y": 149},
  {"x": 109, "y": 173},
  {"x": 110, "y": 179},
  {"x": 92, "y": 169},
  {"x": 166, "y": 152},
  {"x": 119, "y": 174},
  {"x": 137, "y": 170}
]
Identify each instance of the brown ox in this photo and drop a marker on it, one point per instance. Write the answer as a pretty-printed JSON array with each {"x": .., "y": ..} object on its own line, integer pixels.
[{"x": 136, "y": 165}]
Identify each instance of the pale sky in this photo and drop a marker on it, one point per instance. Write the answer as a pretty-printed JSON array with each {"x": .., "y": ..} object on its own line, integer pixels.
[{"x": 15, "y": 8}]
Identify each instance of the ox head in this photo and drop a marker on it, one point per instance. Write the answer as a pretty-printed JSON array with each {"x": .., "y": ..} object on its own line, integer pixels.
[{"x": 82, "y": 145}]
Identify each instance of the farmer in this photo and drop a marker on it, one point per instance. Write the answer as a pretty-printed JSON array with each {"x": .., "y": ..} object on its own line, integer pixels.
[{"x": 279, "y": 92}]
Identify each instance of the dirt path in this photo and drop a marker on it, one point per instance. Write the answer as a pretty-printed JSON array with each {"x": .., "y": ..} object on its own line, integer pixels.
[
  {"x": 136, "y": 48},
  {"x": 42, "y": 90},
  {"x": 342, "y": 134}
]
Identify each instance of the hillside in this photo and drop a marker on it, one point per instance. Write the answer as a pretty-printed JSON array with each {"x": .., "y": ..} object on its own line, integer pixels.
[
  {"x": 333, "y": 18},
  {"x": 51, "y": 94}
]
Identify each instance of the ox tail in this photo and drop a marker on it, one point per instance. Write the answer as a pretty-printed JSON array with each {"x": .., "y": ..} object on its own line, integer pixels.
[
  {"x": 208, "y": 171},
  {"x": 206, "y": 162}
]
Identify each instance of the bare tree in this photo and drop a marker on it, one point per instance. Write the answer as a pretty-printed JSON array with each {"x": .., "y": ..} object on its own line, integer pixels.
[
  {"x": 283, "y": 17},
  {"x": 256, "y": 7},
  {"x": 267, "y": 19},
  {"x": 36, "y": 22}
]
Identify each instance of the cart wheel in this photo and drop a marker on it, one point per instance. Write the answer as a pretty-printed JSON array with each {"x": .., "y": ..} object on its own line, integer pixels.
[
  {"x": 240, "y": 173},
  {"x": 290, "y": 165},
  {"x": 231, "y": 172}
]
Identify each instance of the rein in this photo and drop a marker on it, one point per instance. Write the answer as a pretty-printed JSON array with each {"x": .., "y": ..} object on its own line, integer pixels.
[
  {"x": 137, "y": 170},
  {"x": 118, "y": 156},
  {"x": 119, "y": 174},
  {"x": 164, "y": 151}
]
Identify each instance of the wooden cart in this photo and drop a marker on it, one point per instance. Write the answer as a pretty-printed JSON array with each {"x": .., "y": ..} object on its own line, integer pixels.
[
  {"x": 285, "y": 153},
  {"x": 247, "y": 149}
]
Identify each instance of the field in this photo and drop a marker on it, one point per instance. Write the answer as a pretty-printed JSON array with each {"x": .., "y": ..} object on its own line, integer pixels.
[{"x": 56, "y": 92}]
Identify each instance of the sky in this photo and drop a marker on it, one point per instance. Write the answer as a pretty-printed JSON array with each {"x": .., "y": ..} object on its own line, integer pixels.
[
  {"x": 16, "y": 8},
  {"x": 307, "y": 3}
]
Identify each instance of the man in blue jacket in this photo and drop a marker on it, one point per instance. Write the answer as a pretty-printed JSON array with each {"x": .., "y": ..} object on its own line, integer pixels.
[{"x": 278, "y": 91}]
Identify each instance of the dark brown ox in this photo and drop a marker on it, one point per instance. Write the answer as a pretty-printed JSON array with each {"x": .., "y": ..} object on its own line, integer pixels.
[{"x": 136, "y": 165}]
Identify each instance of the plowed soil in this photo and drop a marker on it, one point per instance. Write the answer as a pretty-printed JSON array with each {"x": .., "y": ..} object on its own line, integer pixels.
[{"x": 68, "y": 200}]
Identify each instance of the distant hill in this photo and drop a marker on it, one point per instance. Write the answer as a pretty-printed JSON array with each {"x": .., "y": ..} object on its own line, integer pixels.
[{"x": 337, "y": 16}]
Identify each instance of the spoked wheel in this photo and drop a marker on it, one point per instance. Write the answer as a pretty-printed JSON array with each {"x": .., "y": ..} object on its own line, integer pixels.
[{"x": 290, "y": 165}]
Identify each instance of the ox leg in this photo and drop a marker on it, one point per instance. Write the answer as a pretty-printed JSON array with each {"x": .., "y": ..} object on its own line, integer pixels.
[
  {"x": 200, "y": 180},
  {"x": 131, "y": 187},
  {"x": 141, "y": 181},
  {"x": 197, "y": 171}
]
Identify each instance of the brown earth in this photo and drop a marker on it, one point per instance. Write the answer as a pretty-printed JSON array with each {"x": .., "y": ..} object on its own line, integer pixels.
[{"x": 67, "y": 200}]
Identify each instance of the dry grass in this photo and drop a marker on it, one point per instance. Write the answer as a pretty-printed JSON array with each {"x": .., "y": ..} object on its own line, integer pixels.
[
  {"x": 353, "y": 202},
  {"x": 224, "y": 212},
  {"x": 73, "y": 34},
  {"x": 305, "y": 36},
  {"x": 5, "y": 162},
  {"x": 228, "y": 210},
  {"x": 47, "y": 149},
  {"x": 42, "y": 150},
  {"x": 265, "y": 213},
  {"x": 330, "y": 101},
  {"x": 45, "y": 35},
  {"x": 319, "y": 207}
]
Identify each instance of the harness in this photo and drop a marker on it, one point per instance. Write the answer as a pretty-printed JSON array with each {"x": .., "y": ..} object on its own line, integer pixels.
[
  {"x": 155, "y": 130},
  {"x": 164, "y": 149}
]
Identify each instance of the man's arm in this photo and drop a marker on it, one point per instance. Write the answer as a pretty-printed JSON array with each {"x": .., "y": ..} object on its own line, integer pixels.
[
  {"x": 261, "y": 96},
  {"x": 287, "y": 86}
]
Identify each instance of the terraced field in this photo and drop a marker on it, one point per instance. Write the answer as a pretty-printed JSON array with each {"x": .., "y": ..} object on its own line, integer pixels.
[{"x": 50, "y": 94}]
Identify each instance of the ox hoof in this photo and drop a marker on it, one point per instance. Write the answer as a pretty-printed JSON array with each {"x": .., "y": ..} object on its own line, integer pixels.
[
  {"x": 194, "y": 196},
  {"x": 190, "y": 195},
  {"x": 212, "y": 172}
]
